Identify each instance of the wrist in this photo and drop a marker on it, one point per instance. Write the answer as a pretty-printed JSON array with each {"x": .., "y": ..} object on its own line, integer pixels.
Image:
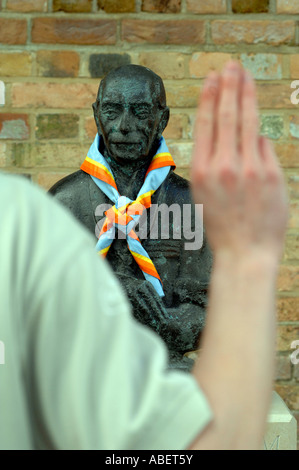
[{"x": 248, "y": 258}]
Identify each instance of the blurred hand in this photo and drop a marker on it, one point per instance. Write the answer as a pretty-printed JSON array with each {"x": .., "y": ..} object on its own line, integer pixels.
[{"x": 235, "y": 173}]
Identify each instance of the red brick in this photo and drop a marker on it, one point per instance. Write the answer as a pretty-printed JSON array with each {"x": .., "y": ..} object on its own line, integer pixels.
[
  {"x": 15, "y": 64},
  {"x": 161, "y": 6},
  {"x": 47, "y": 179},
  {"x": 7, "y": 158},
  {"x": 294, "y": 215},
  {"x": 253, "y": 32},
  {"x": 14, "y": 126},
  {"x": 58, "y": 155},
  {"x": 288, "y": 309},
  {"x": 53, "y": 95},
  {"x": 288, "y": 278},
  {"x": 176, "y": 127},
  {"x": 208, "y": 6},
  {"x": 250, "y": 6},
  {"x": 293, "y": 185},
  {"x": 183, "y": 172},
  {"x": 27, "y": 6},
  {"x": 274, "y": 95},
  {"x": 164, "y": 32},
  {"x": 294, "y": 66},
  {"x": 288, "y": 7},
  {"x": 283, "y": 368},
  {"x": 181, "y": 153},
  {"x": 90, "y": 127},
  {"x": 117, "y": 6},
  {"x": 201, "y": 63},
  {"x": 72, "y": 6},
  {"x": 73, "y": 31},
  {"x": 288, "y": 154},
  {"x": 291, "y": 249},
  {"x": 182, "y": 95},
  {"x": 286, "y": 334},
  {"x": 165, "y": 64},
  {"x": 13, "y": 31},
  {"x": 57, "y": 63}
]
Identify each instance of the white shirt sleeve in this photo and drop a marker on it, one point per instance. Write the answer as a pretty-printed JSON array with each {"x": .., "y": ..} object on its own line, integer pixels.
[{"x": 94, "y": 377}]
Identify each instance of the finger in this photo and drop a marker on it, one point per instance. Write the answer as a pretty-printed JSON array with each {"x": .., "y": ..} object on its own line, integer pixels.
[
  {"x": 204, "y": 130},
  {"x": 269, "y": 159},
  {"x": 228, "y": 111},
  {"x": 249, "y": 123}
]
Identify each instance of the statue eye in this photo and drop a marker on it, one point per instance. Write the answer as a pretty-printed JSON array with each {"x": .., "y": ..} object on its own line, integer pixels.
[
  {"x": 110, "y": 112},
  {"x": 142, "y": 112}
]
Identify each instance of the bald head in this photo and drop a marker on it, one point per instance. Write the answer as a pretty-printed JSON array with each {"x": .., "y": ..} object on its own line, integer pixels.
[{"x": 136, "y": 73}]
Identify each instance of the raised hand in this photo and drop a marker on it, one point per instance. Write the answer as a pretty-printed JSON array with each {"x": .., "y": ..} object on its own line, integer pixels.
[{"x": 235, "y": 173}]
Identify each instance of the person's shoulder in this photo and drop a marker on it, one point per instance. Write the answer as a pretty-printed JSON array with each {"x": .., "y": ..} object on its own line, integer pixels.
[{"x": 70, "y": 184}]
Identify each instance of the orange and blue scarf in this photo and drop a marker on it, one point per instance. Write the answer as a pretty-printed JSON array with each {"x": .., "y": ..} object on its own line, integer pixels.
[{"x": 124, "y": 215}]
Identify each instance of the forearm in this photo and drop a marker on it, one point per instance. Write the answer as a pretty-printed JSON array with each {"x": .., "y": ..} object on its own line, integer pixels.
[{"x": 235, "y": 368}]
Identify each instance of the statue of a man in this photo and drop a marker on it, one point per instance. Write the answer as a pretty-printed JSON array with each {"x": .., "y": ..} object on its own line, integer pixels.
[{"x": 125, "y": 192}]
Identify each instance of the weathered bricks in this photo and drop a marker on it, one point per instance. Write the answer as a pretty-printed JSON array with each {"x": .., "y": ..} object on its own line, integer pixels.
[
  {"x": 101, "y": 64},
  {"x": 201, "y": 63},
  {"x": 73, "y": 31},
  {"x": 250, "y": 6},
  {"x": 53, "y": 95},
  {"x": 57, "y": 126},
  {"x": 263, "y": 66},
  {"x": 73, "y": 6},
  {"x": 288, "y": 309},
  {"x": 206, "y": 7},
  {"x": 117, "y": 6},
  {"x": 57, "y": 63},
  {"x": 253, "y": 32},
  {"x": 287, "y": 7},
  {"x": 163, "y": 32},
  {"x": 27, "y": 6},
  {"x": 161, "y": 6},
  {"x": 169, "y": 65},
  {"x": 14, "y": 126},
  {"x": 14, "y": 64},
  {"x": 13, "y": 31}
]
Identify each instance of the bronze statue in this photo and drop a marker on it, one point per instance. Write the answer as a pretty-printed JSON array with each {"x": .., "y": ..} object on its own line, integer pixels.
[{"x": 131, "y": 114}]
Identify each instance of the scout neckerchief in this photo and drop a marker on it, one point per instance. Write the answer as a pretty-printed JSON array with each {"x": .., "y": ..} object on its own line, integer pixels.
[{"x": 124, "y": 215}]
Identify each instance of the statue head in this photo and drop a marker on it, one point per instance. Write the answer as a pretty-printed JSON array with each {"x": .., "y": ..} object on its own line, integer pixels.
[{"x": 131, "y": 113}]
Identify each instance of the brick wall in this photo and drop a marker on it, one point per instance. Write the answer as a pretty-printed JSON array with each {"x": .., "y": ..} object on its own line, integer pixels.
[{"x": 53, "y": 54}]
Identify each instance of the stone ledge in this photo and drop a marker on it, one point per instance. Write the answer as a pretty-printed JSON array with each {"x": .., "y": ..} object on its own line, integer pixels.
[{"x": 281, "y": 431}]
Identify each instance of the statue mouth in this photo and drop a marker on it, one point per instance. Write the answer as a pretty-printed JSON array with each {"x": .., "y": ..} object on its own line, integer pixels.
[{"x": 125, "y": 143}]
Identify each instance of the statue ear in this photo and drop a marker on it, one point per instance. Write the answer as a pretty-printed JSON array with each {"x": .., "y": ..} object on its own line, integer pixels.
[
  {"x": 164, "y": 120},
  {"x": 95, "y": 107}
]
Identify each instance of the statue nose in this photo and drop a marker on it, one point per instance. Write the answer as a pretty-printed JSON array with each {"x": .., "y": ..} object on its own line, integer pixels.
[{"x": 125, "y": 125}]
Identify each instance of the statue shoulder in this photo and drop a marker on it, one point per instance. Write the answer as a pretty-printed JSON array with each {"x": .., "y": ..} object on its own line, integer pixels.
[
  {"x": 177, "y": 189},
  {"x": 70, "y": 185}
]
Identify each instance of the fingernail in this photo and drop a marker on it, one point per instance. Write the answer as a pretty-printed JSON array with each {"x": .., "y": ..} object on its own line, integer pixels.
[{"x": 232, "y": 66}]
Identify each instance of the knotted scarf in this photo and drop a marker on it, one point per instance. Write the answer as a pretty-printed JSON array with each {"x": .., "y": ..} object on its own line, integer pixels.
[{"x": 124, "y": 215}]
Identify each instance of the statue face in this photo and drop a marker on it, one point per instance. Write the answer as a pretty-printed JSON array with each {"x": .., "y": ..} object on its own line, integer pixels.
[{"x": 129, "y": 119}]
